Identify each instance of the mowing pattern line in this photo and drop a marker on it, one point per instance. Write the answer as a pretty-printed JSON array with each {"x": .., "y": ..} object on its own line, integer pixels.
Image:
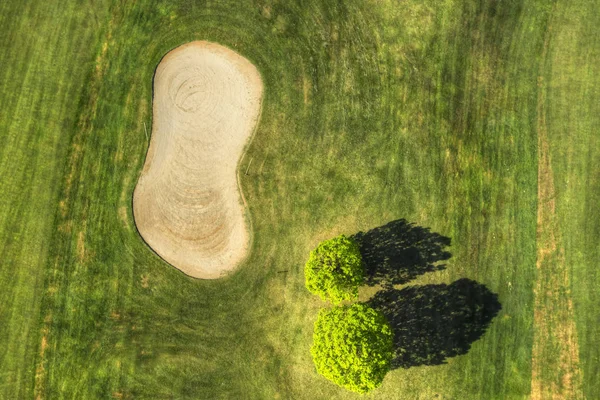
[
  {"x": 65, "y": 218},
  {"x": 553, "y": 377}
]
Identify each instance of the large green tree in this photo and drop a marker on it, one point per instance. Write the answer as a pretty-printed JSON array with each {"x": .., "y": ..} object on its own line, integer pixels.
[
  {"x": 352, "y": 346},
  {"x": 335, "y": 270}
]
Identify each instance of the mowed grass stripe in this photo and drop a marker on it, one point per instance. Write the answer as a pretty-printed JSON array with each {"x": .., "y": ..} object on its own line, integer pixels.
[
  {"x": 75, "y": 232},
  {"x": 573, "y": 120},
  {"x": 489, "y": 173},
  {"x": 555, "y": 356},
  {"x": 499, "y": 150},
  {"x": 39, "y": 80}
]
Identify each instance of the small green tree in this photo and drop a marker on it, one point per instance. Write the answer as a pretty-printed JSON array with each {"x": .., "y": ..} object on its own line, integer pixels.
[
  {"x": 335, "y": 270},
  {"x": 352, "y": 346}
]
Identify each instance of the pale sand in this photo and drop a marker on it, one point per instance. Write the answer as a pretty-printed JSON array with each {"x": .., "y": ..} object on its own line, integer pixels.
[{"x": 187, "y": 204}]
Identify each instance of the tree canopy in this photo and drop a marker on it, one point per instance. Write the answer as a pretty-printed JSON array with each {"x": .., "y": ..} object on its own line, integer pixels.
[
  {"x": 352, "y": 346},
  {"x": 335, "y": 270}
]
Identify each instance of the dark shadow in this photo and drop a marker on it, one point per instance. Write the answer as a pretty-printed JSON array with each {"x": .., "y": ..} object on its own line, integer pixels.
[
  {"x": 434, "y": 322},
  {"x": 399, "y": 251}
]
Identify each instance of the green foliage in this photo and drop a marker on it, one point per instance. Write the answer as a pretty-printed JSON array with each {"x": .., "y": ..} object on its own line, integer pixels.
[
  {"x": 352, "y": 346},
  {"x": 335, "y": 270}
]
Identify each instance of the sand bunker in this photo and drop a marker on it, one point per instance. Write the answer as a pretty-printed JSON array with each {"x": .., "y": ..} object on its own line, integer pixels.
[{"x": 187, "y": 204}]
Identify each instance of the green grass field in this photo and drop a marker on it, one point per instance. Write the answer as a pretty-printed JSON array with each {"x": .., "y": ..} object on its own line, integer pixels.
[{"x": 477, "y": 118}]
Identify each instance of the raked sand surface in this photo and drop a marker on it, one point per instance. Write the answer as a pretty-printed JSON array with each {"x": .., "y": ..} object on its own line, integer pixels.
[{"x": 187, "y": 204}]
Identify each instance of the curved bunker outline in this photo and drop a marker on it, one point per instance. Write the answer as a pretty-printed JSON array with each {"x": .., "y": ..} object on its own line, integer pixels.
[{"x": 168, "y": 241}]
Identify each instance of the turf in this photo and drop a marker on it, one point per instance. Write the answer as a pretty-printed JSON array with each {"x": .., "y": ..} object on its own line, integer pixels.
[{"x": 373, "y": 111}]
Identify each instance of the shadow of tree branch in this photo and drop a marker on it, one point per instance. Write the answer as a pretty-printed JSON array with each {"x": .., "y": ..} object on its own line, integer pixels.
[
  {"x": 434, "y": 322},
  {"x": 399, "y": 251}
]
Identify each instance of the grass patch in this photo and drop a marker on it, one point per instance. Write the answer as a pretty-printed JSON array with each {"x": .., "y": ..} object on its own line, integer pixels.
[{"x": 373, "y": 111}]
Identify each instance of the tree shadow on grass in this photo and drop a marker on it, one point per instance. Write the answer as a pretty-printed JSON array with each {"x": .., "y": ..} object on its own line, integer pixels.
[
  {"x": 399, "y": 251},
  {"x": 434, "y": 322}
]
